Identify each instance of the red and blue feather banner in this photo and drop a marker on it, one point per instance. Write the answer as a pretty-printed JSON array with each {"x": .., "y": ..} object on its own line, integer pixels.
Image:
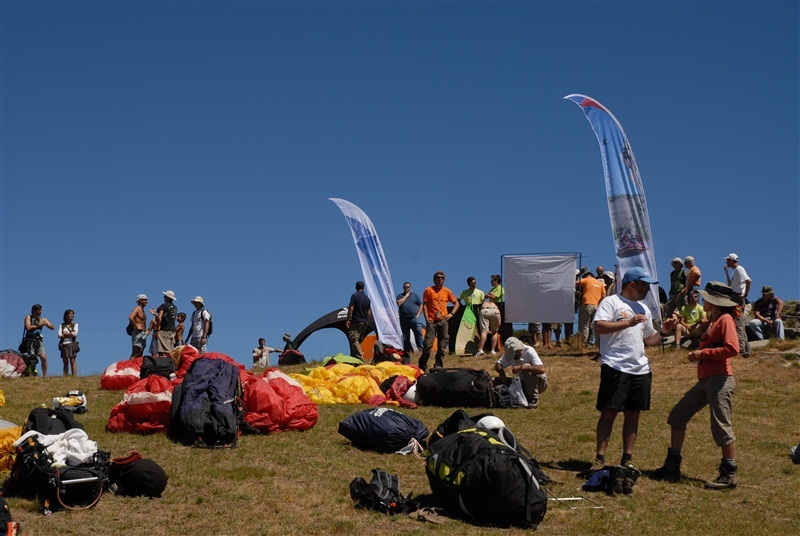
[
  {"x": 377, "y": 278},
  {"x": 627, "y": 207}
]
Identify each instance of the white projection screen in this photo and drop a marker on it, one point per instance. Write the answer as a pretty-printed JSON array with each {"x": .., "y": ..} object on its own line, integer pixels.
[{"x": 540, "y": 288}]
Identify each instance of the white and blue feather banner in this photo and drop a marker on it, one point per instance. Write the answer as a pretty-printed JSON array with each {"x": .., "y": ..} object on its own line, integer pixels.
[
  {"x": 627, "y": 207},
  {"x": 377, "y": 277}
]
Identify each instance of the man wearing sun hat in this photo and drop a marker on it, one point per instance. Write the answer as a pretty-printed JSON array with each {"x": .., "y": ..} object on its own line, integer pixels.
[
  {"x": 624, "y": 326},
  {"x": 200, "y": 324},
  {"x": 524, "y": 362}
]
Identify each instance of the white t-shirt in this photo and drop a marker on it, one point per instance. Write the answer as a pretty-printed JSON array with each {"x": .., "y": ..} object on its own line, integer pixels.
[
  {"x": 624, "y": 350},
  {"x": 62, "y": 331},
  {"x": 198, "y": 323},
  {"x": 528, "y": 357},
  {"x": 738, "y": 279}
]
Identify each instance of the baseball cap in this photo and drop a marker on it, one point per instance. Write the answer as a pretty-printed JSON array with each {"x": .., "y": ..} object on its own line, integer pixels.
[{"x": 637, "y": 273}]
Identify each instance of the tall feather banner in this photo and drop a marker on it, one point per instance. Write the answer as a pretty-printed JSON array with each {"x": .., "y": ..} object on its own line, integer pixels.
[
  {"x": 377, "y": 278},
  {"x": 627, "y": 207}
]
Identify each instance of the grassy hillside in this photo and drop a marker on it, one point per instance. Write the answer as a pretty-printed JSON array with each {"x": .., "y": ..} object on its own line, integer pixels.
[{"x": 297, "y": 483}]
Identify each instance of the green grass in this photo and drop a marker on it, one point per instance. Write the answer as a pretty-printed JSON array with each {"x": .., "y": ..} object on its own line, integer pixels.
[{"x": 297, "y": 483}]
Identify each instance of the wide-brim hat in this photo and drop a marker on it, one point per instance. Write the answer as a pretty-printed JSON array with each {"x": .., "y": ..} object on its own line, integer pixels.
[
  {"x": 766, "y": 289},
  {"x": 169, "y": 294},
  {"x": 678, "y": 260},
  {"x": 511, "y": 345},
  {"x": 287, "y": 337},
  {"x": 720, "y": 294},
  {"x": 198, "y": 299},
  {"x": 688, "y": 258}
]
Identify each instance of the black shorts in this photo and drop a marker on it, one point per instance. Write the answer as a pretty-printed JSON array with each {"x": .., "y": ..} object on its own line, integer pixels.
[{"x": 623, "y": 391}]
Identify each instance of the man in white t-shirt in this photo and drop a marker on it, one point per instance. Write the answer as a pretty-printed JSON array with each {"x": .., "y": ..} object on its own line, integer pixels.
[
  {"x": 624, "y": 326},
  {"x": 739, "y": 281},
  {"x": 201, "y": 322},
  {"x": 261, "y": 354},
  {"x": 524, "y": 362}
]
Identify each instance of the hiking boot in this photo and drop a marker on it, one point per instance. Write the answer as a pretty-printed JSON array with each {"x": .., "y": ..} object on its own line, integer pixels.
[
  {"x": 616, "y": 480},
  {"x": 632, "y": 474},
  {"x": 670, "y": 471},
  {"x": 726, "y": 478},
  {"x": 597, "y": 465}
]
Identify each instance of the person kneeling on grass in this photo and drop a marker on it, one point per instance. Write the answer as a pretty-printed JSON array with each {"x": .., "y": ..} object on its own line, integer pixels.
[
  {"x": 714, "y": 388},
  {"x": 524, "y": 362}
]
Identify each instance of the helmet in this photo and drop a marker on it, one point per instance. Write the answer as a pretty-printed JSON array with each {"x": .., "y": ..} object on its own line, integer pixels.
[
  {"x": 497, "y": 426},
  {"x": 411, "y": 394},
  {"x": 492, "y": 423}
]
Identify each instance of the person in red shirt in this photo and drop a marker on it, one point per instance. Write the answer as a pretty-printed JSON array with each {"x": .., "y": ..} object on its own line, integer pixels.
[
  {"x": 434, "y": 303},
  {"x": 714, "y": 388}
]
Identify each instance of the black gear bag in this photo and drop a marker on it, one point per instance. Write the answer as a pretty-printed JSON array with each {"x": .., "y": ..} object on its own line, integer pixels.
[{"x": 475, "y": 473}]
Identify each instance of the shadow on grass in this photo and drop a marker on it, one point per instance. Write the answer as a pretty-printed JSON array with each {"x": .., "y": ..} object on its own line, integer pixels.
[{"x": 567, "y": 465}]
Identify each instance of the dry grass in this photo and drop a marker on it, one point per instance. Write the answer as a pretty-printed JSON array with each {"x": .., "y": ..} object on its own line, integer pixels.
[{"x": 297, "y": 483}]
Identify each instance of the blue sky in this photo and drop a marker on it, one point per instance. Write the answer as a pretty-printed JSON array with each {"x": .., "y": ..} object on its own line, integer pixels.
[{"x": 193, "y": 146}]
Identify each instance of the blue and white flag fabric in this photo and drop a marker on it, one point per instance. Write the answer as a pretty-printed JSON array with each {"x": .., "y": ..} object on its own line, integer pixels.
[
  {"x": 377, "y": 278},
  {"x": 627, "y": 207}
]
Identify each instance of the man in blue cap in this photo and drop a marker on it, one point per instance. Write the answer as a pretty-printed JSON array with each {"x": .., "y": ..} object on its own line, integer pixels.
[{"x": 624, "y": 326}]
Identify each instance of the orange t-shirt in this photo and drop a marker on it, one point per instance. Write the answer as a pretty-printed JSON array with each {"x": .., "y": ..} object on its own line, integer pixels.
[
  {"x": 593, "y": 291},
  {"x": 436, "y": 301}
]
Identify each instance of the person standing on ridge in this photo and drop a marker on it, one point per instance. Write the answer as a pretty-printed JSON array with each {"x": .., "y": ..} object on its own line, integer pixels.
[
  {"x": 358, "y": 313},
  {"x": 409, "y": 308},
  {"x": 434, "y": 301},
  {"x": 138, "y": 325},
  {"x": 624, "y": 326},
  {"x": 34, "y": 339}
]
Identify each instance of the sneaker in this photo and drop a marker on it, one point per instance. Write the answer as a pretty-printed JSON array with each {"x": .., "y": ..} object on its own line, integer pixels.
[
  {"x": 670, "y": 471},
  {"x": 615, "y": 483},
  {"x": 632, "y": 474},
  {"x": 479, "y": 353},
  {"x": 725, "y": 480}
]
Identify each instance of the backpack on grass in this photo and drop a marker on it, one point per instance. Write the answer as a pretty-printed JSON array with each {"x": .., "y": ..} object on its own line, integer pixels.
[
  {"x": 382, "y": 493},
  {"x": 382, "y": 429},
  {"x": 474, "y": 472},
  {"x": 207, "y": 407},
  {"x": 71, "y": 487},
  {"x": 51, "y": 421},
  {"x": 134, "y": 476},
  {"x": 454, "y": 387},
  {"x": 160, "y": 366}
]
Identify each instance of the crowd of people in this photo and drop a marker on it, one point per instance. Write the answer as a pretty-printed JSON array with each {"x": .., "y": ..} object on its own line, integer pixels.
[
  {"x": 166, "y": 329},
  {"x": 616, "y": 319}
]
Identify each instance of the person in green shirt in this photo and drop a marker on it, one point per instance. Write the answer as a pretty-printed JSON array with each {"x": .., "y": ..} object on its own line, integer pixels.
[{"x": 691, "y": 320}]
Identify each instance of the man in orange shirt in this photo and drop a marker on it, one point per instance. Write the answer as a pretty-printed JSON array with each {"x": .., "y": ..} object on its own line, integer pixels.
[
  {"x": 592, "y": 291},
  {"x": 434, "y": 302},
  {"x": 693, "y": 278}
]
